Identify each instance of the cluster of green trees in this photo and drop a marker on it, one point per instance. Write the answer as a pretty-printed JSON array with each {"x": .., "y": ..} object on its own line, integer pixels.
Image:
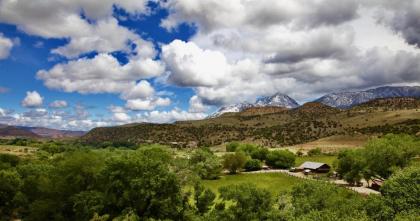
[
  {"x": 400, "y": 200},
  {"x": 251, "y": 158},
  {"x": 314, "y": 201},
  {"x": 151, "y": 184},
  {"x": 76, "y": 185},
  {"x": 379, "y": 158}
]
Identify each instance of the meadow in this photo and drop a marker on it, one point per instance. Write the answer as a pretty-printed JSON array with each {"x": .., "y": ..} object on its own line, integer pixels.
[{"x": 273, "y": 182}]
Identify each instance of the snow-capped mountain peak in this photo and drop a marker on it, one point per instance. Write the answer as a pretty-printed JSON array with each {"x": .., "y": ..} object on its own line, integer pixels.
[
  {"x": 276, "y": 100},
  {"x": 234, "y": 108},
  {"x": 349, "y": 99}
]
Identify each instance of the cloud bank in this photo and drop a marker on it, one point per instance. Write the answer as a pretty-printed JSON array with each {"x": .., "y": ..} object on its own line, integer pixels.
[{"x": 241, "y": 49}]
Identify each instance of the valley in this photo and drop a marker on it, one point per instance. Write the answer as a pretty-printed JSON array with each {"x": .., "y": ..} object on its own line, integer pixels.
[{"x": 255, "y": 155}]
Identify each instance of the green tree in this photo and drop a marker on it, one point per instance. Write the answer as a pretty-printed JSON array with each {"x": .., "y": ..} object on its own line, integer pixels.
[
  {"x": 385, "y": 155},
  {"x": 412, "y": 215},
  {"x": 206, "y": 164},
  {"x": 8, "y": 160},
  {"x": 319, "y": 197},
  {"x": 142, "y": 181},
  {"x": 401, "y": 191},
  {"x": 260, "y": 154},
  {"x": 282, "y": 159},
  {"x": 203, "y": 198},
  {"x": 10, "y": 183},
  {"x": 234, "y": 161},
  {"x": 249, "y": 203},
  {"x": 248, "y": 149},
  {"x": 232, "y": 146},
  {"x": 377, "y": 209},
  {"x": 253, "y": 165},
  {"x": 88, "y": 203},
  {"x": 351, "y": 165}
]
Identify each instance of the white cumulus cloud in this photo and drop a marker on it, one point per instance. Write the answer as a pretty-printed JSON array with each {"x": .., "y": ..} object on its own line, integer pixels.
[
  {"x": 248, "y": 48},
  {"x": 169, "y": 116},
  {"x": 5, "y": 46},
  {"x": 147, "y": 104},
  {"x": 101, "y": 74},
  {"x": 58, "y": 104},
  {"x": 32, "y": 99},
  {"x": 62, "y": 19},
  {"x": 121, "y": 117}
]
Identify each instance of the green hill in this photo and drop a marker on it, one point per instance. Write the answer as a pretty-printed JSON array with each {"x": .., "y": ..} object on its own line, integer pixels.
[{"x": 273, "y": 127}]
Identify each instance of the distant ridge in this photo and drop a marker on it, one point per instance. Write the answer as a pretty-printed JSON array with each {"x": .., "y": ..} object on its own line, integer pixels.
[
  {"x": 349, "y": 99},
  {"x": 37, "y": 132},
  {"x": 11, "y": 131}
]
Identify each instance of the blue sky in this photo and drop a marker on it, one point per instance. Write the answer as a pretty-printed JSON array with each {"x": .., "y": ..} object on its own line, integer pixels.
[
  {"x": 82, "y": 64},
  {"x": 32, "y": 53}
]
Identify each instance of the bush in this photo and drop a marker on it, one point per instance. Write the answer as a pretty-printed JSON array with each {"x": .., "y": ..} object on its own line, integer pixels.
[
  {"x": 249, "y": 203},
  {"x": 282, "y": 159},
  {"x": 329, "y": 201},
  {"x": 314, "y": 152},
  {"x": 299, "y": 153},
  {"x": 232, "y": 146},
  {"x": 260, "y": 154},
  {"x": 234, "y": 162},
  {"x": 253, "y": 165},
  {"x": 247, "y": 148}
]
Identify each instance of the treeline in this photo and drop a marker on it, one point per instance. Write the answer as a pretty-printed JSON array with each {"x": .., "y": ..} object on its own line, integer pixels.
[
  {"x": 59, "y": 146},
  {"x": 255, "y": 156},
  {"x": 240, "y": 157},
  {"x": 379, "y": 158}
]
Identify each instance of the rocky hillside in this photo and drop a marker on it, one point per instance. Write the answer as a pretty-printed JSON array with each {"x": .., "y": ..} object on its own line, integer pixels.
[{"x": 273, "y": 126}]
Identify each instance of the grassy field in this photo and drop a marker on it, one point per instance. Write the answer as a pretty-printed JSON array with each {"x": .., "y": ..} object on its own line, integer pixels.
[
  {"x": 18, "y": 150},
  {"x": 273, "y": 182},
  {"x": 333, "y": 143},
  {"x": 322, "y": 159}
]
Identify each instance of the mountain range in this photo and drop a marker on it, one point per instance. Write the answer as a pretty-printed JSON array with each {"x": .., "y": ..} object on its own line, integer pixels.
[
  {"x": 342, "y": 100},
  {"x": 349, "y": 99},
  {"x": 273, "y": 126},
  {"x": 37, "y": 132},
  {"x": 278, "y": 104}
]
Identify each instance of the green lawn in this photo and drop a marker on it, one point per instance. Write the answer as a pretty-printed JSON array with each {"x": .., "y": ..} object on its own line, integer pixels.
[
  {"x": 274, "y": 182},
  {"x": 322, "y": 159}
]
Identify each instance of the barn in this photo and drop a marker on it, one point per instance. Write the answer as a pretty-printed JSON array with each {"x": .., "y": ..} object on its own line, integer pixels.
[{"x": 315, "y": 167}]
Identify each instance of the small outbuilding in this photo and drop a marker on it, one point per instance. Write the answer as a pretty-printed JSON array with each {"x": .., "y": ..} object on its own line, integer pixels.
[
  {"x": 377, "y": 183},
  {"x": 315, "y": 167}
]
